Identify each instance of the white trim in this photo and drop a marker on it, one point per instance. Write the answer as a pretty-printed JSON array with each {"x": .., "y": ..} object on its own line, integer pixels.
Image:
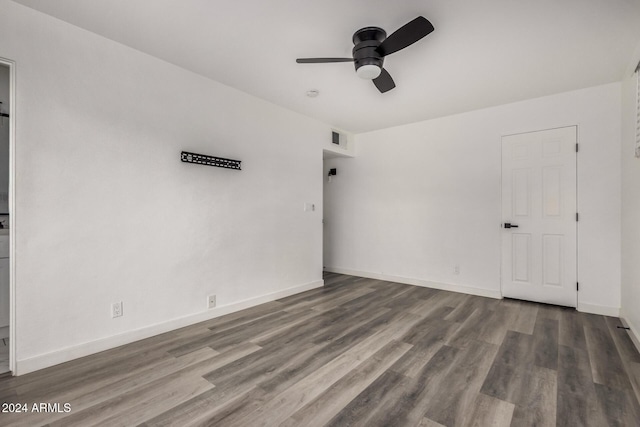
[
  {"x": 603, "y": 310},
  {"x": 578, "y": 142},
  {"x": 490, "y": 293},
  {"x": 634, "y": 330},
  {"x": 633, "y": 63},
  {"x": 12, "y": 212},
  {"x": 522, "y": 132},
  {"x": 60, "y": 356},
  {"x": 637, "y": 142}
]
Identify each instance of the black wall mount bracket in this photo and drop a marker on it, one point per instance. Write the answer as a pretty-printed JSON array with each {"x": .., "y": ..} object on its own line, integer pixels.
[{"x": 203, "y": 159}]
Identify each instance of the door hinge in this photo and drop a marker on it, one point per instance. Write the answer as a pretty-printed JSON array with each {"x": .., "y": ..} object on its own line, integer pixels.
[
  {"x": 576, "y": 216},
  {"x": 576, "y": 147},
  {"x": 577, "y": 286}
]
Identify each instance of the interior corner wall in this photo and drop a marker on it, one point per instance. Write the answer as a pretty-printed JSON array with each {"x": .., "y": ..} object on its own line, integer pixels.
[
  {"x": 107, "y": 212},
  {"x": 420, "y": 199},
  {"x": 630, "y": 309}
]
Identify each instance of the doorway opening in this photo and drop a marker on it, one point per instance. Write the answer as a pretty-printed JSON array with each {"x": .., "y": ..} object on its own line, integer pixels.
[
  {"x": 330, "y": 172},
  {"x": 7, "y": 141},
  {"x": 326, "y": 206}
]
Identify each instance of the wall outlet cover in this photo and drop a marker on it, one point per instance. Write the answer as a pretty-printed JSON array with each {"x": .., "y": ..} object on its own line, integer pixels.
[
  {"x": 116, "y": 309},
  {"x": 211, "y": 301}
]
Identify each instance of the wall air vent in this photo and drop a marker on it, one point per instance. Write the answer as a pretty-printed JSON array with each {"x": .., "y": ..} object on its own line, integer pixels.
[{"x": 335, "y": 137}]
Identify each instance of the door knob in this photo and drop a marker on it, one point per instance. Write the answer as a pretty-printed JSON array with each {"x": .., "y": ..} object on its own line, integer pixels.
[{"x": 509, "y": 225}]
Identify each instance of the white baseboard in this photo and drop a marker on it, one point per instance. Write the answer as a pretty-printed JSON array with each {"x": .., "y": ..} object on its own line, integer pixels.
[
  {"x": 491, "y": 293},
  {"x": 85, "y": 349},
  {"x": 634, "y": 330},
  {"x": 603, "y": 310}
]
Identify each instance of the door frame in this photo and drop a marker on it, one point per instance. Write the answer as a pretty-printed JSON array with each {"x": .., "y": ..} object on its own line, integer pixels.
[
  {"x": 12, "y": 213},
  {"x": 577, "y": 126}
]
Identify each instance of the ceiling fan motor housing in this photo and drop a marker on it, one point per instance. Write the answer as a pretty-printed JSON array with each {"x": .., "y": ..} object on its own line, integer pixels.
[{"x": 366, "y": 41}]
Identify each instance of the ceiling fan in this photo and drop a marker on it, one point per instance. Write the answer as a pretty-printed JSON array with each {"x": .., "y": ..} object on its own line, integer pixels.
[{"x": 371, "y": 47}]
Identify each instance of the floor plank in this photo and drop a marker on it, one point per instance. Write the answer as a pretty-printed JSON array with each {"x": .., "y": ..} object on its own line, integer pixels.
[
  {"x": 464, "y": 380},
  {"x": 512, "y": 370},
  {"x": 605, "y": 361},
  {"x": 620, "y": 407},
  {"x": 363, "y": 410},
  {"x": 537, "y": 406},
  {"x": 489, "y": 411},
  {"x": 571, "y": 333},
  {"x": 577, "y": 402},
  {"x": 545, "y": 343},
  {"x": 413, "y": 396},
  {"x": 320, "y": 410}
]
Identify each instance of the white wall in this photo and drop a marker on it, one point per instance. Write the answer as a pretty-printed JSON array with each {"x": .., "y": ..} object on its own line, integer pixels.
[
  {"x": 107, "y": 212},
  {"x": 630, "y": 211},
  {"x": 421, "y": 198}
]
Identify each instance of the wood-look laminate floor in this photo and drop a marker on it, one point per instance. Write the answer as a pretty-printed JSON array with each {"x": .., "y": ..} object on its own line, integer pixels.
[
  {"x": 4, "y": 355},
  {"x": 356, "y": 352}
]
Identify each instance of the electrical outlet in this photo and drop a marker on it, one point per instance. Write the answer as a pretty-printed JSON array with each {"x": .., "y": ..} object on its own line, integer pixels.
[
  {"x": 211, "y": 301},
  {"x": 116, "y": 309},
  {"x": 456, "y": 269}
]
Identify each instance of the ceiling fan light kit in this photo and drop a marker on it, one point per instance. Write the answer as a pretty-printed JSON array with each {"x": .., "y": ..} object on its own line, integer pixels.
[
  {"x": 368, "y": 71},
  {"x": 371, "y": 46}
]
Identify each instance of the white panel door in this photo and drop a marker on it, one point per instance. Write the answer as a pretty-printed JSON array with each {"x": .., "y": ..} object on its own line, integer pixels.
[{"x": 539, "y": 216}]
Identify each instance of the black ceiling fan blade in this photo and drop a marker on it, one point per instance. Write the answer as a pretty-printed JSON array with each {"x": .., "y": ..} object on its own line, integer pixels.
[
  {"x": 384, "y": 82},
  {"x": 405, "y": 36},
  {"x": 322, "y": 60}
]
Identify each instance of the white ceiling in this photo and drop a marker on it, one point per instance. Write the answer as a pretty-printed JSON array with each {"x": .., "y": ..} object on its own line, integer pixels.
[{"x": 482, "y": 53}]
